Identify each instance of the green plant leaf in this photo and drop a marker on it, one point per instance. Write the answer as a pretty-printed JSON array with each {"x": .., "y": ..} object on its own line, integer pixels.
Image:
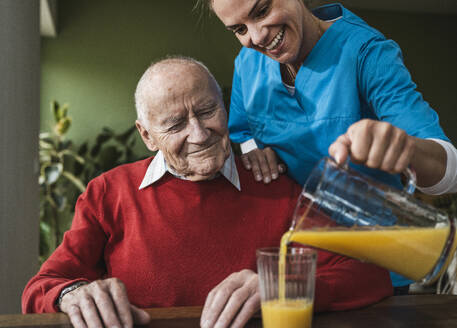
[
  {"x": 62, "y": 126},
  {"x": 78, "y": 183},
  {"x": 59, "y": 200},
  {"x": 82, "y": 151},
  {"x": 95, "y": 150},
  {"x": 102, "y": 138},
  {"x": 52, "y": 172},
  {"x": 44, "y": 135},
  {"x": 55, "y": 110},
  {"x": 73, "y": 155},
  {"x": 46, "y": 143},
  {"x": 109, "y": 157},
  {"x": 63, "y": 110}
]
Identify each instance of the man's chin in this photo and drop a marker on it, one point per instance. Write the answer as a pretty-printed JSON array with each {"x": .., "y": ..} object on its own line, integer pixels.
[{"x": 205, "y": 171}]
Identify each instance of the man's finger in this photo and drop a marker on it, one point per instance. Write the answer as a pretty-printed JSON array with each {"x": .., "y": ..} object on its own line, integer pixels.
[
  {"x": 76, "y": 317},
  {"x": 251, "y": 306},
  {"x": 206, "y": 307},
  {"x": 232, "y": 307},
  {"x": 90, "y": 313},
  {"x": 220, "y": 298},
  {"x": 106, "y": 309},
  {"x": 121, "y": 301},
  {"x": 140, "y": 317}
]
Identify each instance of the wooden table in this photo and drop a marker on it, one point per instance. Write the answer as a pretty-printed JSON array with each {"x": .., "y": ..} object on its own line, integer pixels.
[{"x": 418, "y": 311}]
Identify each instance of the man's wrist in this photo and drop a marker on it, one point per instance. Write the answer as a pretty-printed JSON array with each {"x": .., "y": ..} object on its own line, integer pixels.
[{"x": 68, "y": 289}]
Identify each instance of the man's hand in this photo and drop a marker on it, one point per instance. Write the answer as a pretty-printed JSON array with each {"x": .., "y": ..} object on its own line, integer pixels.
[
  {"x": 263, "y": 163},
  {"x": 376, "y": 144},
  {"x": 102, "y": 303},
  {"x": 233, "y": 302}
]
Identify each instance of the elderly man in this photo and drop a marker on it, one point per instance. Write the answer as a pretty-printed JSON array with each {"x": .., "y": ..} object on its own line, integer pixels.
[{"x": 183, "y": 226}]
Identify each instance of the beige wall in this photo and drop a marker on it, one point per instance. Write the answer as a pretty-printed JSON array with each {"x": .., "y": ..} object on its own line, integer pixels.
[{"x": 19, "y": 124}]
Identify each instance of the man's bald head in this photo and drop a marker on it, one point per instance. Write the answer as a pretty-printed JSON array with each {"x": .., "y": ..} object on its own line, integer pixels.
[{"x": 161, "y": 82}]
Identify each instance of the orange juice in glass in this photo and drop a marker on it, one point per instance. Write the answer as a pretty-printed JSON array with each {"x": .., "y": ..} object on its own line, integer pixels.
[{"x": 294, "y": 308}]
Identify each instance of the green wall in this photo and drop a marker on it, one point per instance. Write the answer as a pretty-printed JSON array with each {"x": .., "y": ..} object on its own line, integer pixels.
[{"x": 104, "y": 46}]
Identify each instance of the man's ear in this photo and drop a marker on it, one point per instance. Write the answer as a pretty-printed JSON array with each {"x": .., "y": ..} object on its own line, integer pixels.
[{"x": 147, "y": 139}]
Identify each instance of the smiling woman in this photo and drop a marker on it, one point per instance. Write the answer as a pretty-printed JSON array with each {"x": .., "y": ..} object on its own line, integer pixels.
[{"x": 311, "y": 83}]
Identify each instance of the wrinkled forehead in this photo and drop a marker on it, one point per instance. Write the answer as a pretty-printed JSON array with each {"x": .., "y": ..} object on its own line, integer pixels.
[{"x": 173, "y": 89}]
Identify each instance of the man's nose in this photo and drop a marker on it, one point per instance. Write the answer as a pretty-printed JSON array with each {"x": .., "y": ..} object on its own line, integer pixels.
[{"x": 198, "y": 133}]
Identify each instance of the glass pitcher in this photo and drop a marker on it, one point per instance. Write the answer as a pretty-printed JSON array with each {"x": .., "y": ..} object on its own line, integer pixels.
[{"x": 346, "y": 212}]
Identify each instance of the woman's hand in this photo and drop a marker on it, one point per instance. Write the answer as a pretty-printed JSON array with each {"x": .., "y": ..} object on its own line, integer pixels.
[
  {"x": 375, "y": 144},
  {"x": 381, "y": 145},
  {"x": 233, "y": 302},
  {"x": 102, "y": 303},
  {"x": 264, "y": 164}
]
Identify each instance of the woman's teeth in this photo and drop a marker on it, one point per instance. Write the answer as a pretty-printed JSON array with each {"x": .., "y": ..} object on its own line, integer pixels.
[{"x": 276, "y": 41}]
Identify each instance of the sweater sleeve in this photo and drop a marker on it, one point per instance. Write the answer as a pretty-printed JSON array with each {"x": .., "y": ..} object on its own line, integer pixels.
[
  {"x": 343, "y": 283},
  {"x": 78, "y": 258}
]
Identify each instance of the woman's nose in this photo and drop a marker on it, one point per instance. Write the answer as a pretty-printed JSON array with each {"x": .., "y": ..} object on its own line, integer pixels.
[{"x": 257, "y": 35}]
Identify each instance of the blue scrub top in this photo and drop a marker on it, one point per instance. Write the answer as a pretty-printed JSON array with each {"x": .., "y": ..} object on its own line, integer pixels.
[{"x": 352, "y": 73}]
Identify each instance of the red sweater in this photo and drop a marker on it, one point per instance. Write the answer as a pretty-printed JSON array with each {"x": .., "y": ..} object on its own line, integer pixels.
[{"x": 172, "y": 242}]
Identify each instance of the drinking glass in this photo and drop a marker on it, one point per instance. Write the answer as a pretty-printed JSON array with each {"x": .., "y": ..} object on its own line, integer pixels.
[{"x": 294, "y": 308}]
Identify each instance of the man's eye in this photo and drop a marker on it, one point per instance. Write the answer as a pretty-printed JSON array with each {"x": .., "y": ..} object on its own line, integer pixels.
[
  {"x": 177, "y": 127},
  {"x": 206, "y": 113}
]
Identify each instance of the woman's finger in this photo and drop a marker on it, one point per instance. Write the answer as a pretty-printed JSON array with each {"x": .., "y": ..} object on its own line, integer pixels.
[
  {"x": 246, "y": 162},
  {"x": 255, "y": 165},
  {"x": 381, "y": 143},
  {"x": 394, "y": 151},
  {"x": 263, "y": 165},
  {"x": 272, "y": 161},
  {"x": 339, "y": 149}
]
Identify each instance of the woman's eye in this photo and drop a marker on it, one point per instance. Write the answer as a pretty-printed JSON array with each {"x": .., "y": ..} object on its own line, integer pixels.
[
  {"x": 240, "y": 30},
  {"x": 263, "y": 11}
]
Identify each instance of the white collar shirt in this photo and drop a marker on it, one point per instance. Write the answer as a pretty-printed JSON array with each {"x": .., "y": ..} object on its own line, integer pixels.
[{"x": 158, "y": 167}]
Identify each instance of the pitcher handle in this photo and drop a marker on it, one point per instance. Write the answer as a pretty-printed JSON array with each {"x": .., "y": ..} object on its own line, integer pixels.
[
  {"x": 410, "y": 185},
  {"x": 409, "y": 173}
]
